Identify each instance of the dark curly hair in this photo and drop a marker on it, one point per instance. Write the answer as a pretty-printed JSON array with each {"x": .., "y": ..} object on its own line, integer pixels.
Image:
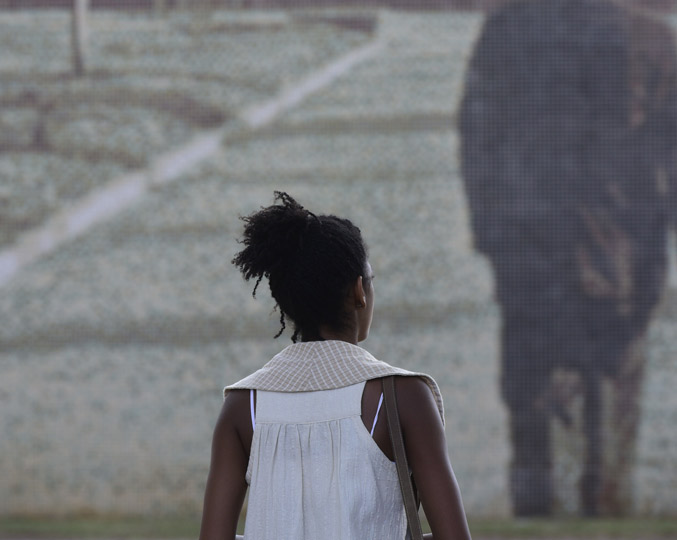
[{"x": 310, "y": 262}]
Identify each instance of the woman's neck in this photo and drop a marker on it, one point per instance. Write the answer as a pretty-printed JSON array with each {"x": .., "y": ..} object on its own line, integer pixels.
[{"x": 325, "y": 333}]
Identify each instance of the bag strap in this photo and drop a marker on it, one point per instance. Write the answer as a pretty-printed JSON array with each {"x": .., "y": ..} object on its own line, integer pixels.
[{"x": 395, "y": 430}]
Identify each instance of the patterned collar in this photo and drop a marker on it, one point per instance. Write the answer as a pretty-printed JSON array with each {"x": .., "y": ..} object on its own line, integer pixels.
[{"x": 324, "y": 365}]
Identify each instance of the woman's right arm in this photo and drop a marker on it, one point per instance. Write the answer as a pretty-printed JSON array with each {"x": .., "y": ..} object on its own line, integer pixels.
[
  {"x": 226, "y": 484},
  {"x": 426, "y": 447}
]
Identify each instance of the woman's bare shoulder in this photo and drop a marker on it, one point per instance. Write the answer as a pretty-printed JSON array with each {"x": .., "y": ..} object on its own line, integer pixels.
[
  {"x": 416, "y": 404},
  {"x": 235, "y": 416},
  {"x": 235, "y": 402},
  {"x": 414, "y": 390}
]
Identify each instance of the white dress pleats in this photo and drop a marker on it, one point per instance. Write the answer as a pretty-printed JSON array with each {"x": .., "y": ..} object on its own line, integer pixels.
[{"x": 315, "y": 473}]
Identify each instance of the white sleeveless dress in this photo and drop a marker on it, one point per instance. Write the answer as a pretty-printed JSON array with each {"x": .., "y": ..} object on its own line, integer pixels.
[{"x": 315, "y": 473}]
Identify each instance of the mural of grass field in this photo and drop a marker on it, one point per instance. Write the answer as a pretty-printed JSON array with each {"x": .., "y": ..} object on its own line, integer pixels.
[
  {"x": 115, "y": 347},
  {"x": 152, "y": 82}
]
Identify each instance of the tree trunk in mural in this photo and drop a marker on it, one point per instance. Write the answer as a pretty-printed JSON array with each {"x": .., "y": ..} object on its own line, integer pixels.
[
  {"x": 79, "y": 35},
  {"x": 569, "y": 134}
]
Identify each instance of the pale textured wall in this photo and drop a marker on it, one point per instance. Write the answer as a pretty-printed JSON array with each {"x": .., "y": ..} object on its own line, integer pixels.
[{"x": 115, "y": 348}]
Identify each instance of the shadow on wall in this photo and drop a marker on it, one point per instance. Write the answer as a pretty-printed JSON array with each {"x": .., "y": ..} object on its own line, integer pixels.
[{"x": 569, "y": 134}]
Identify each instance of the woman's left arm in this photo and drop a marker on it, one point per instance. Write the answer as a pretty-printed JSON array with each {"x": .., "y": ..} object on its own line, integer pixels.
[
  {"x": 226, "y": 484},
  {"x": 426, "y": 447}
]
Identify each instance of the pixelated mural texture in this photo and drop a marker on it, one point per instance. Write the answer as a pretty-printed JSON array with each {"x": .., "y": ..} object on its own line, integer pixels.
[
  {"x": 569, "y": 139},
  {"x": 513, "y": 172}
]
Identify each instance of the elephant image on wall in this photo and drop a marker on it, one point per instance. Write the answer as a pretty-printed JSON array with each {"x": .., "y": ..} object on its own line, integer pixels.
[{"x": 568, "y": 129}]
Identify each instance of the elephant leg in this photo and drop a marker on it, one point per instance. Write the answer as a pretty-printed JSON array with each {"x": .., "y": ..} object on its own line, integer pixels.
[
  {"x": 615, "y": 497},
  {"x": 525, "y": 377},
  {"x": 530, "y": 470},
  {"x": 592, "y": 429}
]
